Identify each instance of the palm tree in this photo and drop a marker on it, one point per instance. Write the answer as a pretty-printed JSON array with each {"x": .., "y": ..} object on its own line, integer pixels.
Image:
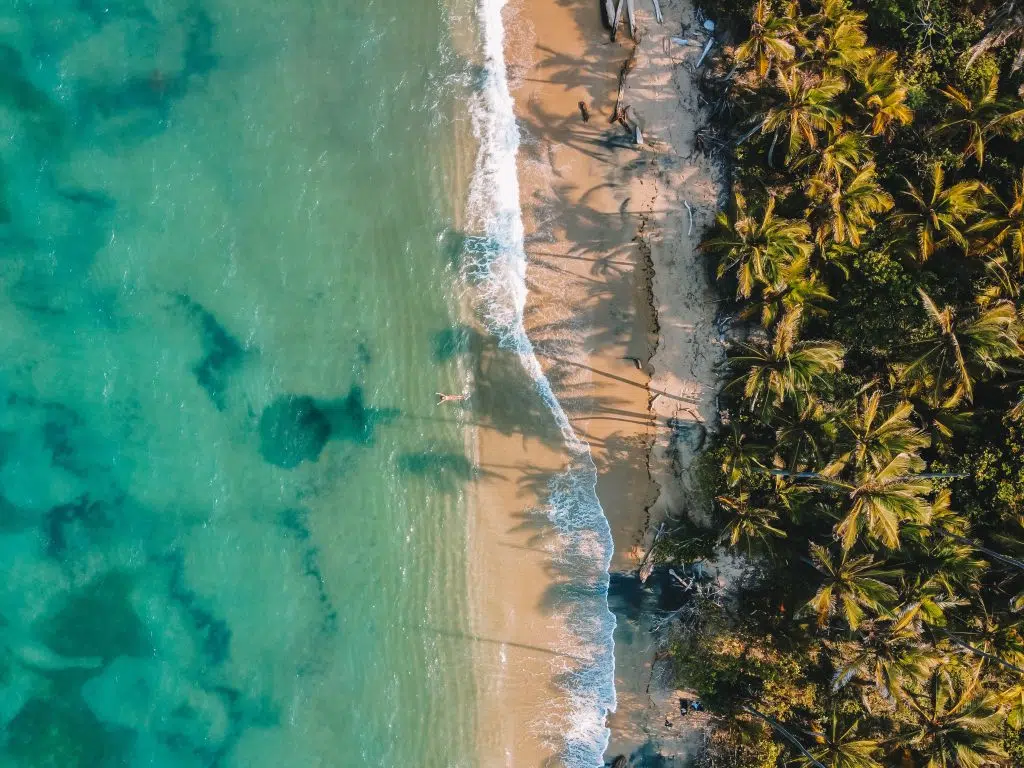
[
  {"x": 847, "y": 151},
  {"x": 840, "y": 42},
  {"x": 943, "y": 416},
  {"x": 799, "y": 290},
  {"x": 924, "y": 600},
  {"x": 806, "y": 107},
  {"x": 851, "y": 585},
  {"x": 842, "y": 747},
  {"x": 987, "y": 638},
  {"x": 846, "y": 210},
  {"x": 804, "y": 430},
  {"x": 884, "y": 98},
  {"x": 890, "y": 661},
  {"x": 880, "y": 500},
  {"x": 767, "y": 42},
  {"x": 956, "y": 726},
  {"x": 871, "y": 436},
  {"x": 980, "y": 116},
  {"x": 748, "y": 522},
  {"x": 1005, "y": 227},
  {"x": 741, "y": 455},
  {"x": 958, "y": 351},
  {"x": 939, "y": 214},
  {"x": 770, "y": 369},
  {"x": 757, "y": 246}
]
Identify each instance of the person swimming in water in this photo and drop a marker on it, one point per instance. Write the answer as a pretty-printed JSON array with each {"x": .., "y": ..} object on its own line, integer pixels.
[{"x": 443, "y": 398}]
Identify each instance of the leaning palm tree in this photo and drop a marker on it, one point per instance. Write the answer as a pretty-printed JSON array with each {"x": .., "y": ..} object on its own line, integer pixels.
[
  {"x": 958, "y": 351},
  {"x": 881, "y": 500},
  {"x": 870, "y": 435},
  {"x": 757, "y": 245},
  {"x": 846, "y": 210},
  {"x": 884, "y": 98},
  {"x": 979, "y": 116},
  {"x": 770, "y": 369},
  {"x": 804, "y": 108},
  {"x": 841, "y": 746},
  {"x": 851, "y": 585},
  {"x": 956, "y": 726},
  {"x": 938, "y": 213},
  {"x": 1004, "y": 226},
  {"x": 768, "y": 42},
  {"x": 748, "y": 523}
]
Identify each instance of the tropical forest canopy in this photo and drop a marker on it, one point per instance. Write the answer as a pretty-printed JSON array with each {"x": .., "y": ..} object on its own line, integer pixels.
[{"x": 870, "y": 463}]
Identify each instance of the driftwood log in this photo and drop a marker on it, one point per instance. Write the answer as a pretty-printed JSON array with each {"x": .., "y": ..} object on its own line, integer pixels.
[{"x": 627, "y": 67}]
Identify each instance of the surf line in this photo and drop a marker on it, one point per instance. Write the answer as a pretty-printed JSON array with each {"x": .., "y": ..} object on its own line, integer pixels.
[{"x": 497, "y": 265}]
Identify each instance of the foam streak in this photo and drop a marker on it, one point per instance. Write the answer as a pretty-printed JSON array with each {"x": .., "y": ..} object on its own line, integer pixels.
[{"x": 498, "y": 266}]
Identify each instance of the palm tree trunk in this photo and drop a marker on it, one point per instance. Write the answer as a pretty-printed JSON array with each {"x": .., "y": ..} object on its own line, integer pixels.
[
  {"x": 784, "y": 733},
  {"x": 957, "y": 641},
  {"x": 985, "y": 551}
]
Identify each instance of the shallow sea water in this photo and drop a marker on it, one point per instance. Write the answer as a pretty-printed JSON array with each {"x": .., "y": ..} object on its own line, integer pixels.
[{"x": 231, "y": 519}]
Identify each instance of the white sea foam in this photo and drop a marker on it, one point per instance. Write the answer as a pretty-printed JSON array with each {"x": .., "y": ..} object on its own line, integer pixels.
[{"x": 497, "y": 266}]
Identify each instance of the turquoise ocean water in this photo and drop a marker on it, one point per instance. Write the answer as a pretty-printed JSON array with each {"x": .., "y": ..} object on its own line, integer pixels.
[{"x": 232, "y": 524}]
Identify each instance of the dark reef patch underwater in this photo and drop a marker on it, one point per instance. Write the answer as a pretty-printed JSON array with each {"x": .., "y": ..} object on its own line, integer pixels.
[{"x": 200, "y": 569}]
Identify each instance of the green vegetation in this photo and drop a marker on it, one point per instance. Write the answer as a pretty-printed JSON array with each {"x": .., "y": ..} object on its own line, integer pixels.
[{"x": 871, "y": 460}]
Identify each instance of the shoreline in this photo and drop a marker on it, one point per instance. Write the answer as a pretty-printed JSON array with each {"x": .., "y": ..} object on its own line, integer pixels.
[
  {"x": 613, "y": 289},
  {"x": 615, "y": 277}
]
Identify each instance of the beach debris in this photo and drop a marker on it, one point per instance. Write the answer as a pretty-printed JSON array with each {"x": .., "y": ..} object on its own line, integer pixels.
[
  {"x": 632, "y": 122},
  {"x": 657, "y": 11},
  {"x": 648, "y": 562},
  {"x": 627, "y": 67},
  {"x": 682, "y": 41},
  {"x": 584, "y": 112},
  {"x": 609, "y": 12},
  {"x": 636, "y": 362},
  {"x": 631, "y": 14},
  {"x": 709, "y": 25},
  {"x": 686, "y": 584},
  {"x": 689, "y": 210},
  {"x": 707, "y": 50},
  {"x": 443, "y": 398},
  {"x": 615, "y": 18}
]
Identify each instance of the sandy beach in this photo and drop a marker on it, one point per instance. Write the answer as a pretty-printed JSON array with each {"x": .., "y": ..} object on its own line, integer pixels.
[{"x": 622, "y": 321}]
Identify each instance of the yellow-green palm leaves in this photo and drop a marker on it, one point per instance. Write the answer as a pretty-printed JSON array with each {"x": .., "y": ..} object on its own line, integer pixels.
[
  {"x": 804, "y": 107},
  {"x": 879, "y": 501},
  {"x": 1004, "y": 226},
  {"x": 846, "y": 210},
  {"x": 938, "y": 214},
  {"x": 769, "y": 369},
  {"x": 841, "y": 746},
  {"x": 850, "y": 586},
  {"x": 980, "y": 115},
  {"x": 757, "y": 245},
  {"x": 956, "y": 727},
  {"x": 884, "y": 98},
  {"x": 871, "y": 435},
  {"x": 747, "y": 522},
  {"x": 768, "y": 42},
  {"x": 960, "y": 349}
]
